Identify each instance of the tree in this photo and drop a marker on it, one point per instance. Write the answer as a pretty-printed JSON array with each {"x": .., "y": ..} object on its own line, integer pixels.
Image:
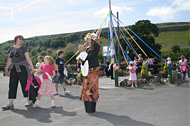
[
  {"x": 175, "y": 49},
  {"x": 146, "y": 31},
  {"x": 49, "y": 51},
  {"x": 33, "y": 52},
  {"x": 43, "y": 53},
  {"x": 68, "y": 55}
]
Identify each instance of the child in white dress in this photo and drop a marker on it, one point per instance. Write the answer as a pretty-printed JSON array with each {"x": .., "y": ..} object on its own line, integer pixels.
[
  {"x": 81, "y": 57},
  {"x": 133, "y": 77}
]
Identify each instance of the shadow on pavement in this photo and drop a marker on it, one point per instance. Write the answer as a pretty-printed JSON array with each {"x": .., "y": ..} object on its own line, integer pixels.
[
  {"x": 42, "y": 114},
  {"x": 70, "y": 96},
  {"x": 145, "y": 88},
  {"x": 119, "y": 120},
  {"x": 103, "y": 88}
]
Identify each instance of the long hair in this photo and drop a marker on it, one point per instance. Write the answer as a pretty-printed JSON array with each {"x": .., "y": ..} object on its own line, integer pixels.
[
  {"x": 92, "y": 44},
  {"x": 51, "y": 62},
  {"x": 182, "y": 58}
]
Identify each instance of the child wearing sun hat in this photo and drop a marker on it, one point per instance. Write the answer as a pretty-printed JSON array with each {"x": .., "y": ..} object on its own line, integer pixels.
[{"x": 133, "y": 77}]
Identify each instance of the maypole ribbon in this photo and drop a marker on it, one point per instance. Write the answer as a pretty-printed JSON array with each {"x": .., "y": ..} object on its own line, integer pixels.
[
  {"x": 140, "y": 39},
  {"x": 108, "y": 46},
  {"x": 73, "y": 56},
  {"x": 102, "y": 22},
  {"x": 120, "y": 44},
  {"x": 128, "y": 42},
  {"x": 134, "y": 40}
]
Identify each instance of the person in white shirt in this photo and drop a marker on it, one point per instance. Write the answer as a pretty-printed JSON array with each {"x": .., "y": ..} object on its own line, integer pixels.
[{"x": 148, "y": 61}]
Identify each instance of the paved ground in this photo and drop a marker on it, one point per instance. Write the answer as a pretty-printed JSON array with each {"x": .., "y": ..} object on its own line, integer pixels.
[{"x": 150, "y": 106}]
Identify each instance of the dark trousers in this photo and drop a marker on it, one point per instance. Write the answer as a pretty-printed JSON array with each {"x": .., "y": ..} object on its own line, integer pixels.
[
  {"x": 14, "y": 80},
  {"x": 183, "y": 75}
]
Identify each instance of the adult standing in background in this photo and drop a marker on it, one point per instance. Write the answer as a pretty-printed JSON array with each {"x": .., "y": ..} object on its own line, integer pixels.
[
  {"x": 89, "y": 91},
  {"x": 17, "y": 62},
  {"x": 155, "y": 61},
  {"x": 108, "y": 72},
  {"x": 183, "y": 67},
  {"x": 139, "y": 65}
]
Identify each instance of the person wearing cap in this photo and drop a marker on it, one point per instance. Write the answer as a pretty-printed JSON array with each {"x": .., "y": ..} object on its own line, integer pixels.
[
  {"x": 89, "y": 91},
  {"x": 169, "y": 61}
]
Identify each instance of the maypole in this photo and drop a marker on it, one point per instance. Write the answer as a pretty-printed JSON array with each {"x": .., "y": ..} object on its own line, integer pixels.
[{"x": 111, "y": 34}]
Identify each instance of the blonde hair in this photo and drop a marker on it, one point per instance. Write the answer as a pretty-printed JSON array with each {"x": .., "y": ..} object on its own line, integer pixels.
[
  {"x": 81, "y": 47},
  {"x": 51, "y": 62}
]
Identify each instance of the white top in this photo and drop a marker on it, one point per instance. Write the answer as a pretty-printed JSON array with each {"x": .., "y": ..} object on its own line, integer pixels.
[
  {"x": 133, "y": 75},
  {"x": 148, "y": 62},
  {"x": 183, "y": 62},
  {"x": 85, "y": 67}
]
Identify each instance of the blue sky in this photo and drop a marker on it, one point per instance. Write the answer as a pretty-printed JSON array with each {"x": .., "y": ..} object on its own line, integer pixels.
[{"x": 43, "y": 17}]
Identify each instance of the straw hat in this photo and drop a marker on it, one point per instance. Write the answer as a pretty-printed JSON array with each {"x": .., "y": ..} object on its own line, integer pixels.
[{"x": 92, "y": 36}]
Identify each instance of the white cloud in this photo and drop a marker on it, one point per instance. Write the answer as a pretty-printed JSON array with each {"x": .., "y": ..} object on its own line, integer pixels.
[
  {"x": 165, "y": 13},
  {"x": 77, "y": 2},
  {"x": 181, "y": 5},
  {"x": 103, "y": 12},
  {"x": 4, "y": 8},
  {"x": 169, "y": 12}
]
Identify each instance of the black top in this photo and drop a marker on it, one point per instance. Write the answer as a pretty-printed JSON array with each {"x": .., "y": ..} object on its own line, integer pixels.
[
  {"x": 17, "y": 55},
  {"x": 93, "y": 56},
  {"x": 60, "y": 64}
]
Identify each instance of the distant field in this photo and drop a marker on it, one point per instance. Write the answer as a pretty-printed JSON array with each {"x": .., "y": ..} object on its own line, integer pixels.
[{"x": 175, "y": 37}]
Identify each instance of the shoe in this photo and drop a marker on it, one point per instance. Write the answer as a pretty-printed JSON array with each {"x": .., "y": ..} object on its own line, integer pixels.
[
  {"x": 53, "y": 104},
  {"x": 36, "y": 104},
  {"x": 132, "y": 86},
  {"x": 8, "y": 106},
  {"x": 66, "y": 92},
  {"x": 28, "y": 103},
  {"x": 56, "y": 92},
  {"x": 135, "y": 85}
]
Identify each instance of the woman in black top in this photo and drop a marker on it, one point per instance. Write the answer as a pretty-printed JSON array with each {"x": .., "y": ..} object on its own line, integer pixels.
[
  {"x": 90, "y": 83},
  {"x": 17, "y": 62}
]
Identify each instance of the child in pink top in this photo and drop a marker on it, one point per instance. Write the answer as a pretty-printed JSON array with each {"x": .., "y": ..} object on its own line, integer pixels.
[{"x": 47, "y": 88}]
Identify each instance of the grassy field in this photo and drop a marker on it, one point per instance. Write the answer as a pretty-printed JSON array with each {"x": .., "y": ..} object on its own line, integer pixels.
[{"x": 169, "y": 38}]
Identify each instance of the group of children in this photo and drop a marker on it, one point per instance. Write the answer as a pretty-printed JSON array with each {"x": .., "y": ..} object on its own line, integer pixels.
[{"x": 46, "y": 71}]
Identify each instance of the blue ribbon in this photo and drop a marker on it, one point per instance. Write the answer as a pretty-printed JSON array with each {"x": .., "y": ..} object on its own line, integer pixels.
[{"x": 141, "y": 40}]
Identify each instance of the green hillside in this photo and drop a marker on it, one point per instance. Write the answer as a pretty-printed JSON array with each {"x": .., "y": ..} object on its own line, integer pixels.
[
  {"x": 175, "y": 33},
  {"x": 174, "y": 37}
]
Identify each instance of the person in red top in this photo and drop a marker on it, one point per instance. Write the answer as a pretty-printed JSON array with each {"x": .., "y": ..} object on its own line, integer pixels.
[{"x": 47, "y": 88}]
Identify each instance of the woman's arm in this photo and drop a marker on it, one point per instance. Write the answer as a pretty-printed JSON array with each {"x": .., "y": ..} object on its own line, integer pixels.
[
  {"x": 29, "y": 61},
  {"x": 8, "y": 65},
  {"x": 38, "y": 70}
]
